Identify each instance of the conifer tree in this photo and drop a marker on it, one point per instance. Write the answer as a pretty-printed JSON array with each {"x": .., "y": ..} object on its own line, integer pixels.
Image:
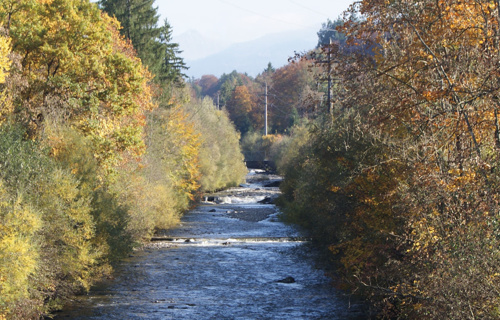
[
  {"x": 153, "y": 43},
  {"x": 329, "y": 33},
  {"x": 172, "y": 65}
]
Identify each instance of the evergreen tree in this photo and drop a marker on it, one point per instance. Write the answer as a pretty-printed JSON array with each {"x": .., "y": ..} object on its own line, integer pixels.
[
  {"x": 172, "y": 65},
  {"x": 153, "y": 43},
  {"x": 270, "y": 69},
  {"x": 328, "y": 32}
]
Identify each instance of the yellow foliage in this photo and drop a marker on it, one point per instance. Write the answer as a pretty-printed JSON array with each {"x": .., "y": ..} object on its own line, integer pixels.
[
  {"x": 19, "y": 225},
  {"x": 87, "y": 72},
  {"x": 188, "y": 143},
  {"x": 5, "y": 47},
  {"x": 68, "y": 221},
  {"x": 5, "y": 101},
  {"x": 173, "y": 170}
]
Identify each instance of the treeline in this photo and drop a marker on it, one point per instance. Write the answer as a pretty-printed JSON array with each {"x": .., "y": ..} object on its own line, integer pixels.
[
  {"x": 99, "y": 148},
  {"x": 401, "y": 181},
  {"x": 295, "y": 93},
  {"x": 291, "y": 96}
]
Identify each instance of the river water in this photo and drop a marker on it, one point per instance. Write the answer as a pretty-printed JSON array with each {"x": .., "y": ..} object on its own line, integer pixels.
[{"x": 231, "y": 258}]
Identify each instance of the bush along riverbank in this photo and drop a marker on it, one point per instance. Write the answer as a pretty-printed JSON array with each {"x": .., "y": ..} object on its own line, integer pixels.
[
  {"x": 417, "y": 248},
  {"x": 96, "y": 154},
  {"x": 400, "y": 180}
]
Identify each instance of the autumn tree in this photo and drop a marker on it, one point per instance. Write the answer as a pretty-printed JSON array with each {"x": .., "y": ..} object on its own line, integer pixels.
[
  {"x": 403, "y": 177},
  {"x": 289, "y": 90},
  {"x": 239, "y": 107},
  {"x": 72, "y": 112},
  {"x": 5, "y": 64},
  {"x": 78, "y": 190},
  {"x": 434, "y": 72},
  {"x": 63, "y": 76},
  {"x": 208, "y": 84}
]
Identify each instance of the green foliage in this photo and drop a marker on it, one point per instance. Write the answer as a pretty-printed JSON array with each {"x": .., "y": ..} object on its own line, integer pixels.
[
  {"x": 68, "y": 245},
  {"x": 81, "y": 181},
  {"x": 329, "y": 33},
  {"x": 111, "y": 219},
  {"x": 169, "y": 182},
  {"x": 227, "y": 83},
  {"x": 22, "y": 161},
  {"x": 251, "y": 146},
  {"x": 153, "y": 43},
  {"x": 172, "y": 64},
  {"x": 257, "y": 147},
  {"x": 221, "y": 162},
  {"x": 73, "y": 66}
]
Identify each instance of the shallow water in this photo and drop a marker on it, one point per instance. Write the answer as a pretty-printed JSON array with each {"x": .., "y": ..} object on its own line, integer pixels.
[{"x": 224, "y": 262}]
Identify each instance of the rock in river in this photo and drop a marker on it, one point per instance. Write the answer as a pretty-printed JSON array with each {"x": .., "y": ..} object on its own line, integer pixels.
[{"x": 287, "y": 280}]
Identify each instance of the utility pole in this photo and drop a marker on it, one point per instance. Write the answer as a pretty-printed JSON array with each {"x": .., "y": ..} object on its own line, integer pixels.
[
  {"x": 329, "y": 101},
  {"x": 266, "y": 108},
  {"x": 218, "y": 106},
  {"x": 329, "y": 61}
]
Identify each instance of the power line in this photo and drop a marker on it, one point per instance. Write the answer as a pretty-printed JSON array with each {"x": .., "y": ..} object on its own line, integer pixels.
[
  {"x": 309, "y": 9},
  {"x": 263, "y": 16}
]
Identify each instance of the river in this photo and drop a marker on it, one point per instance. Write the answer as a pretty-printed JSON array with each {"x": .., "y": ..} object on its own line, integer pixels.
[{"x": 231, "y": 258}]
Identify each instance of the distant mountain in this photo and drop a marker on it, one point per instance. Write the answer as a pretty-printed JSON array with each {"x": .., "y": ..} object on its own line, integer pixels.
[
  {"x": 252, "y": 57},
  {"x": 195, "y": 46}
]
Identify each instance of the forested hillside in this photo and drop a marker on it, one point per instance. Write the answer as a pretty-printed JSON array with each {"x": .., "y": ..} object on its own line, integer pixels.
[{"x": 100, "y": 146}]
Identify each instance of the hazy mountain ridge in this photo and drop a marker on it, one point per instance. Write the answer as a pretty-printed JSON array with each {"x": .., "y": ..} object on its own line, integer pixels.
[
  {"x": 251, "y": 57},
  {"x": 195, "y": 46}
]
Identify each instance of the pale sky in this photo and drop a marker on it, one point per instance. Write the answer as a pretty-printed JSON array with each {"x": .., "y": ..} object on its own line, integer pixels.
[{"x": 244, "y": 20}]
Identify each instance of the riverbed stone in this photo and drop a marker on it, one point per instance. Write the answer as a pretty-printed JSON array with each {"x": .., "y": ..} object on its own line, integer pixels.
[
  {"x": 267, "y": 200},
  {"x": 287, "y": 280},
  {"x": 252, "y": 214},
  {"x": 274, "y": 184}
]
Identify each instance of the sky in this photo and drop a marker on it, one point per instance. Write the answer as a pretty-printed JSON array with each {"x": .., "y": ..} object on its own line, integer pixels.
[
  {"x": 207, "y": 30},
  {"x": 236, "y": 21}
]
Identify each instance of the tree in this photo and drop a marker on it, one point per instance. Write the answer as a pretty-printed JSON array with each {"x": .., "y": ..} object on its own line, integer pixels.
[
  {"x": 77, "y": 68},
  {"x": 77, "y": 189},
  {"x": 139, "y": 20},
  {"x": 329, "y": 33},
  {"x": 208, "y": 84},
  {"x": 19, "y": 252},
  {"x": 153, "y": 43},
  {"x": 289, "y": 85},
  {"x": 404, "y": 176},
  {"x": 239, "y": 107},
  {"x": 221, "y": 162},
  {"x": 173, "y": 65},
  {"x": 269, "y": 69}
]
